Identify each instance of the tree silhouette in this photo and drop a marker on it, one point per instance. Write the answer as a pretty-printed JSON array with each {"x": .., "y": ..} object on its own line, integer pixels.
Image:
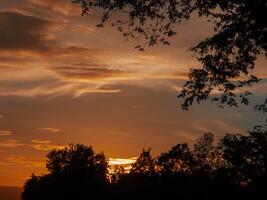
[
  {"x": 206, "y": 155},
  {"x": 144, "y": 165},
  {"x": 117, "y": 174},
  {"x": 234, "y": 167},
  {"x": 75, "y": 172},
  {"x": 141, "y": 181},
  {"x": 247, "y": 155},
  {"x": 178, "y": 160},
  {"x": 227, "y": 58}
]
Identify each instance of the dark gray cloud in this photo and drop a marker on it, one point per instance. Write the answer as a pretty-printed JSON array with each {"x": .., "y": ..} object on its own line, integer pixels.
[{"x": 21, "y": 32}]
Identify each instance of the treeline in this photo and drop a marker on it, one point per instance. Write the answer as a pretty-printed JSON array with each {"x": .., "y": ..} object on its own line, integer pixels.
[{"x": 232, "y": 168}]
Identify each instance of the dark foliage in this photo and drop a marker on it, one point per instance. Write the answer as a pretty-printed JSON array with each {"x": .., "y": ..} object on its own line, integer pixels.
[
  {"x": 75, "y": 172},
  {"x": 235, "y": 168},
  {"x": 227, "y": 57}
]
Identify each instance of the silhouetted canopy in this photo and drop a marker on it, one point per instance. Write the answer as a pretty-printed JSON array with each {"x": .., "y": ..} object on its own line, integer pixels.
[
  {"x": 227, "y": 57},
  {"x": 75, "y": 172},
  {"x": 233, "y": 168}
]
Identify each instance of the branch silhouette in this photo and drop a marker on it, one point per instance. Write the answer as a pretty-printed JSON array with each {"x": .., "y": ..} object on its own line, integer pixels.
[{"x": 227, "y": 58}]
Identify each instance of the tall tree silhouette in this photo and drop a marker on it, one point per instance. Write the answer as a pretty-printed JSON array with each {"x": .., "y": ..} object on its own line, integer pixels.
[
  {"x": 206, "y": 154},
  {"x": 228, "y": 57}
]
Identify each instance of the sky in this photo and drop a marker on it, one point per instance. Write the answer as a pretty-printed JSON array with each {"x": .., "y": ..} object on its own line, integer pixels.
[{"x": 62, "y": 81}]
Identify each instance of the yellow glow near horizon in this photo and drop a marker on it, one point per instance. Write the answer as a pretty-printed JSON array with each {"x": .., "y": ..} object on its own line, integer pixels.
[
  {"x": 125, "y": 163},
  {"x": 121, "y": 161}
]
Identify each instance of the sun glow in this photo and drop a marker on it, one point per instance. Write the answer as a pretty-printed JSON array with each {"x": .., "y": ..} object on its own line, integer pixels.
[{"x": 121, "y": 162}]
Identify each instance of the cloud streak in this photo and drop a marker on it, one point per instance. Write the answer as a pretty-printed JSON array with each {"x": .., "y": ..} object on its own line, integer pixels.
[
  {"x": 50, "y": 129},
  {"x": 89, "y": 73},
  {"x": 11, "y": 143},
  {"x": 23, "y": 161},
  {"x": 5, "y": 133},
  {"x": 37, "y": 144},
  {"x": 45, "y": 146}
]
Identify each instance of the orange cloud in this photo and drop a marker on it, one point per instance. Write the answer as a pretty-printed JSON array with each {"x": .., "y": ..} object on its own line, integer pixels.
[
  {"x": 45, "y": 146},
  {"x": 5, "y": 133},
  {"x": 23, "y": 161},
  {"x": 60, "y": 6},
  {"x": 37, "y": 144},
  {"x": 42, "y": 141},
  {"x": 11, "y": 143},
  {"x": 50, "y": 129},
  {"x": 47, "y": 67},
  {"x": 89, "y": 73}
]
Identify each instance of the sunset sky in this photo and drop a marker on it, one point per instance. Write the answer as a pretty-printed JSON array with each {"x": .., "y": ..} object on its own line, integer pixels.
[{"x": 62, "y": 80}]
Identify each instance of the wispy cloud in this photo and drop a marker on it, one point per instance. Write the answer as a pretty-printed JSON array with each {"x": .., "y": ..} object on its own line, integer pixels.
[
  {"x": 53, "y": 68},
  {"x": 11, "y": 143},
  {"x": 45, "y": 146},
  {"x": 41, "y": 141},
  {"x": 60, "y": 7},
  {"x": 5, "y": 133},
  {"x": 50, "y": 129},
  {"x": 23, "y": 161},
  {"x": 37, "y": 144},
  {"x": 90, "y": 72}
]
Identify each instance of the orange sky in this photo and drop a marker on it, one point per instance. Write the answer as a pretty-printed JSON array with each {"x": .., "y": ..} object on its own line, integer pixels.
[{"x": 64, "y": 81}]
